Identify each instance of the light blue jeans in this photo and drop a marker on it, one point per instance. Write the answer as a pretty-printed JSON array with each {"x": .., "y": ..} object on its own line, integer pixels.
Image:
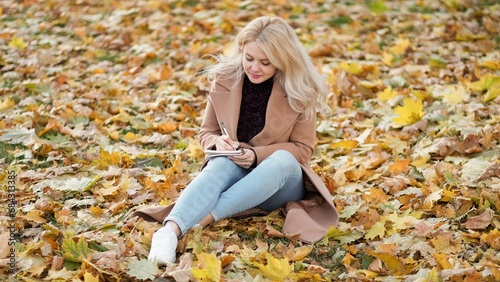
[{"x": 223, "y": 188}]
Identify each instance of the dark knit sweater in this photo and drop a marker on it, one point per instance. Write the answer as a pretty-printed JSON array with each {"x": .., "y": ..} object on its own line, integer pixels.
[{"x": 253, "y": 108}]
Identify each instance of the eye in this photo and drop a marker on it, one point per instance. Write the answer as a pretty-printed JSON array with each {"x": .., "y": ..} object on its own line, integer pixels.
[
  {"x": 249, "y": 59},
  {"x": 266, "y": 64}
]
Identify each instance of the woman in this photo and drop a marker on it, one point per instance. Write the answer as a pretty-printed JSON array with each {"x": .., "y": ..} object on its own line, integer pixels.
[{"x": 266, "y": 92}]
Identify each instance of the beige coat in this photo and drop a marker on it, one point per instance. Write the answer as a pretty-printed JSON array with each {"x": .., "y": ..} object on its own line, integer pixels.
[{"x": 311, "y": 217}]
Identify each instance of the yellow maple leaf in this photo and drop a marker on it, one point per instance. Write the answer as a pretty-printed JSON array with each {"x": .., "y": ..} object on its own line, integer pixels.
[
  {"x": 401, "y": 46},
  {"x": 17, "y": 43},
  {"x": 275, "y": 269},
  {"x": 387, "y": 58},
  {"x": 494, "y": 65},
  {"x": 131, "y": 137},
  {"x": 387, "y": 94},
  {"x": 88, "y": 277},
  {"x": 306, "y": 276},
  {"x": 353, "y": 67},
  {"x": 420, "y": 162},
  {"x": 492, "y": 239},
  {"x": 486, "y": 82},
  {"x": 457, "y": 94},
  {"x": 443, "y": 260},
  {"x": 378, "y": 229},
  {"x": 115, "y": 135},
  {"x": 493, "y": 93},
  {"x": 400, "y": 223},
  {"x": 345, "y": 144},
  {"x": 210, "y": 268},
  {"x": 194, "y": 148},
  {"x": 114, "y": 158},
  {"x": 165, "y": 202},
  {"x": 410, "y": 113},
  {"x": 394, "y": 264},
  {"x": 7, "y": 104},
  {"x": 433, "y": 276}
]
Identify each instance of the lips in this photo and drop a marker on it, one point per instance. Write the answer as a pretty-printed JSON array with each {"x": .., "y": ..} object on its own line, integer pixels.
[{"x": 255, "y": 76}]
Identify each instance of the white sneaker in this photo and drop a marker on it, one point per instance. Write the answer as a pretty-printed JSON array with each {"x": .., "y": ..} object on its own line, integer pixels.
[{"x": 163, "y": 246}]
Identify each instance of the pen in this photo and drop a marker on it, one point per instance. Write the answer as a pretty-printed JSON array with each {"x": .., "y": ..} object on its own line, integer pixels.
[{"x": 224, "y": 130}]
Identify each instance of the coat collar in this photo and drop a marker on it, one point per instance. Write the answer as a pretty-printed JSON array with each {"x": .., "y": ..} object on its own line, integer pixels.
[{"x": 280, "y": 116}]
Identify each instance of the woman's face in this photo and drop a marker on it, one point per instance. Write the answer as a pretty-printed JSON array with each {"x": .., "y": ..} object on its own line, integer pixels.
[{"x": 256, "y": 64}]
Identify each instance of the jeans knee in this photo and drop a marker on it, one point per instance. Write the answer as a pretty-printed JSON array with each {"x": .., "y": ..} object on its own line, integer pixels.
[
  {"x": 220, "y": 162},
  {"x": 286, "y": 160}
]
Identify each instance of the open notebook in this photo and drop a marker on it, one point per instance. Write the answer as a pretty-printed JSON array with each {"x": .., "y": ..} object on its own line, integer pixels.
[{"x": 209, "y": 154}]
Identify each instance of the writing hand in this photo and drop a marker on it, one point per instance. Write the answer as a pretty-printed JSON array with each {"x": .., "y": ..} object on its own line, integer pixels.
[
  {"x": 246, "y": 160},
  {"x": 224, "y": 143}
]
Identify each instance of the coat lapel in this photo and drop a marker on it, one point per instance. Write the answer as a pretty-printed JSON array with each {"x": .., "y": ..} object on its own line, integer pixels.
[
  {"x": 279, "y": 115},
  {"x": 227, "y": 104}
]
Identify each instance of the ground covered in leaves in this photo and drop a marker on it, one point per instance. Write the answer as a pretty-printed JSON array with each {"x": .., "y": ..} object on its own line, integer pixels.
[{"x": 100, "y": 108}]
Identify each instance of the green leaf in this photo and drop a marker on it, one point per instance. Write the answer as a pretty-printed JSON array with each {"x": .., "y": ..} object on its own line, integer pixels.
[
  {"x": 149, "y": 162},
  {"x": 75, "y": 251},
  {"x": 142, "y": 269},
  {"x": 378, "y": 7}
]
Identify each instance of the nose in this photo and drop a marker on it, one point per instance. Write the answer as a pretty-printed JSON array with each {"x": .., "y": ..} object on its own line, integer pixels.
[{"x": 255, "y": 66}]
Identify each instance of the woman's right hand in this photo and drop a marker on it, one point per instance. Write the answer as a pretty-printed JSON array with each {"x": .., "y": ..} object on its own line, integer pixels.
[{"x": 225, "y": 143}]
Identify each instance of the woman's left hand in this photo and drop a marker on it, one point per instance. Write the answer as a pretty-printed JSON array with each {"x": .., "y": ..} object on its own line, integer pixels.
[{"x": 246, "y": 160}]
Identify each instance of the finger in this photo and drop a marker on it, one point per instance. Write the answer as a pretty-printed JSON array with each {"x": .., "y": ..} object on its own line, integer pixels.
[{"x": 221, "y": 144}]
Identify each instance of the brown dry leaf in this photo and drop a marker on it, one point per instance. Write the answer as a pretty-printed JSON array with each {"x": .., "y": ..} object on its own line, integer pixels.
[{"x": 480, "y": 222}]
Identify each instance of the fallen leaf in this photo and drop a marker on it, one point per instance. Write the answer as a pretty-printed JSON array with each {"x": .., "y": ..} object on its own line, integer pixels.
[
  {"x": 480, "y": 222},
  {"x": 210, "y": 267},
  {"x": 387, "y": 94},
  {"x": 7, "y": 104},
  {"x": 75, "y": 251},
  {"x": 411, "y": 112},
  {"x": 142, "y": 269},
  {"x": 275, "y": 269}
]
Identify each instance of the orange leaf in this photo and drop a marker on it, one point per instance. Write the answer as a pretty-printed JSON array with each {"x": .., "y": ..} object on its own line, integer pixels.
[
  {"x": 375, "y": 195},
  {"x": 96, "y": 210},
  {"x": 399, "y": 166},
  {"x": 35, "y": 216},
  {"x": 166, "y": 128},
  {"x": 348, "y": 259},
  {"x": 53, "y": 124},
  {"x": 299, "y": 253},
  {"x": 443, "y": 260}
]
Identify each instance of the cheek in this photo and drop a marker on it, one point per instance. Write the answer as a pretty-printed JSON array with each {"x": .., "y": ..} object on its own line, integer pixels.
[
  {"x": 246, "y": 65},
  {"x": 270, "y": 70}
]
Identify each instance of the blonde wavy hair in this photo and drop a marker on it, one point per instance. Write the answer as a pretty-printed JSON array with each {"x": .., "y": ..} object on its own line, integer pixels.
[{"x": 305, "y": 88}]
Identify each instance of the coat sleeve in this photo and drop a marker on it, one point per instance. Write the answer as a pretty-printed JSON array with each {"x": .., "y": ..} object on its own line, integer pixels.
[
  {"x": 210, "y": 129},
  {"x": 300, "y": 144}
]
